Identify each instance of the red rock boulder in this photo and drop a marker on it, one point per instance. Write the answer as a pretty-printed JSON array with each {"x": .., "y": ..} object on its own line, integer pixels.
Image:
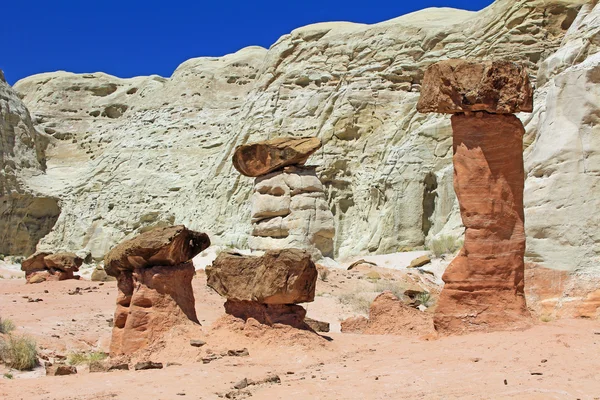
[
  {"x": 278, "y": 277},
  {"x": 260, "y": 158}
]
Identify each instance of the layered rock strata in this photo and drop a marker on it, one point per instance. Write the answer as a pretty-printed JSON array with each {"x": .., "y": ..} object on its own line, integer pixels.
[
  {"x": 25, "y": 215},
  {"x": 45, "y": 266},
  {"x": 154, "y": 278},
  {"x": 288, "y": 207},
  {"x": 484, "y": 284},
  {"x": 266, "y": 288},
  {"x": 289, "y": 210}
]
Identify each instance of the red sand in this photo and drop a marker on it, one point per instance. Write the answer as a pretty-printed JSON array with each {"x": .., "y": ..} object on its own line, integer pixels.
[{"x": 349, "y": 366}]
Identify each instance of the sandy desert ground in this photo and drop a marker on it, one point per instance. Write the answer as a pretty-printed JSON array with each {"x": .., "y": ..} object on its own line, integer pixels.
[{"x": 551, "y": 360}]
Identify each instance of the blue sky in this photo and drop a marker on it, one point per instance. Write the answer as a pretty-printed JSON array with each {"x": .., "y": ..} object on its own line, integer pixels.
[{"x": 131, "y": 37}]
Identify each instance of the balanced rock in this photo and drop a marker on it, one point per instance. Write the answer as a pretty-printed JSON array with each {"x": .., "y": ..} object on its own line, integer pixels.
[
  {"x": 458, "y": 86},
  {"x": 260, "y": 158},
  {"x": 289, "y": 209},
  {"x": 154, "y": 280},
  {"x": 278, "y": 277},
  {"x": 170, "y": 245},
  {"x": 45, "y": 266},
  {"x": 484, "y": 284}
]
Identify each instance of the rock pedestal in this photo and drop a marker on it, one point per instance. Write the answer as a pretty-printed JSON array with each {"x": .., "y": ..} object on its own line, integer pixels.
[
  {"x": 45, "y": 266},
  {"x": 484, "y": 284},
  {"x": 289, "y": 207},
  {"x": 266, "y": 288},
  {"x": 154, "y": 275}
]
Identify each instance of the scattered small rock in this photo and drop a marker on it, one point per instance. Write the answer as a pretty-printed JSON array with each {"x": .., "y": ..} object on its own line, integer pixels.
[
  {"x": 147, "y": 365},
  {"x": 172, "y": 364},
  {"x": 197, "y": 343},
  {"x": 544, "y": 361},
  {"x": 119, "y": 367},
  {"x": 317, "y": 326},
  {"x": 536, "y": 373},
  {"x": 241, "y": 384},
  {"x": 238, "y": 353},
  {"x": 60, "y": 369}
]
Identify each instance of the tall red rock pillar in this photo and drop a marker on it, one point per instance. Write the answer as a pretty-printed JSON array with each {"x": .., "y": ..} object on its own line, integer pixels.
[{"x": 484, "y": 286}]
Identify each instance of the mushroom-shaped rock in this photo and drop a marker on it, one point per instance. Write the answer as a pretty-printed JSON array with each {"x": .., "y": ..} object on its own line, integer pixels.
[
  {"x": 484, "y": 284},
  {"x": 278, "y": 277},
  {"x": 260, "y": 158},
  {"x": 458, "y": 86},
  {"x": 154, "y": 278},
  {"x": 164, "y": 246}
]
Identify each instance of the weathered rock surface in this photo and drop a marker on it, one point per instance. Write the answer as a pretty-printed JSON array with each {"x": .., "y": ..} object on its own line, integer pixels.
[
  {"x": 63, "y": 261},
  {"x": 150, "y": 302},
  {"x": 563, "y": 164},
  {"x": 154, "y": 278},
  {"x": 385, "y": 168},
  {"x": 170, "y": 245},
  {"x": 553, "y": 294},
  {"x": 45, "y": 266},
  {"x": 260, "y": 158},
  {"x": 35, "y": 262},
  {"x": 25, "y": 215},
  {"x": 458, "y": 86},
  {"x": 289, "y": 210},
  {"x": 278, "y": 277},
  {"x": 484, "y": 284},
  {"x": 390, "y": 316}
]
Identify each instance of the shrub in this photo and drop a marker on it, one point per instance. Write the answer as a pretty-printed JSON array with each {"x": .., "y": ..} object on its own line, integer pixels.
[
  {"x": 8, "y": 375},
  {"x": 85, "y": 358},
  {"x": 424, "y": 298},
  {"x": 19, "y": 352},
  {"x": 6, "y": 325},
  {"x": 445, "y": 245}
]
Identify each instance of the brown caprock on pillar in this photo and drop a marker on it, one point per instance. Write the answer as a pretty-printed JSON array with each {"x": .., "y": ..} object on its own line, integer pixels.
[{"x": 484, "y": 284}]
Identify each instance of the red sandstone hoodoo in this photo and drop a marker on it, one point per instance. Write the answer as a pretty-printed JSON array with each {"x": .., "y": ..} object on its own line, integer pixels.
[
  {"x": 484, "y": 283},
  {"x": 154, "y": 273}
]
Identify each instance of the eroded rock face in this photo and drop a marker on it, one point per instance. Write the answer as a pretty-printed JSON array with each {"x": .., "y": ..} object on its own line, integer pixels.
[
  {"x": 25, "y": 215},
  {"x": 354, "y": 86},
  {"x": 278, "y": 277},
  {"x": 458, "y": 86},
  {"x": 289, "y": 210},
  {"x": 484, "y": 284},
  {"x": 260, "y": 158},
  {"x": 170, "y": 245},
  {"x": 154, "y": 277},
  {"x": 44, "y": 266},
  {"x": 150, "y": 302}
]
